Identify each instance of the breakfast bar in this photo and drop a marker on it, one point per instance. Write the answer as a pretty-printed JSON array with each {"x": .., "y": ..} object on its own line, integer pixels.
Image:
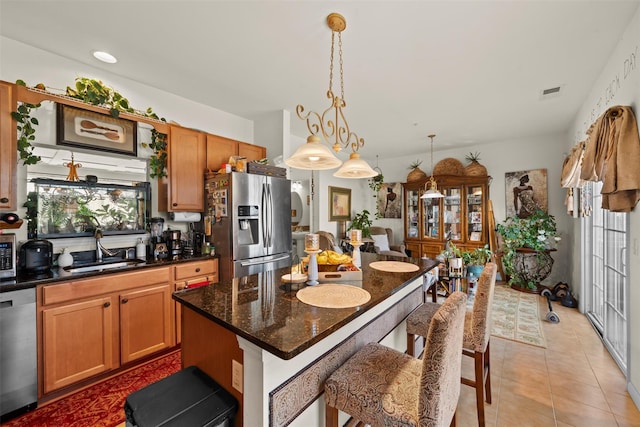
[{"x": 273, "y": 352}]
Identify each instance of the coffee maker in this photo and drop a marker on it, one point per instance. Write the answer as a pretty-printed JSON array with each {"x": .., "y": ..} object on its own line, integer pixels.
[
  {"x": 157, "y": 244},
  {"x": 174, "y": 244}
]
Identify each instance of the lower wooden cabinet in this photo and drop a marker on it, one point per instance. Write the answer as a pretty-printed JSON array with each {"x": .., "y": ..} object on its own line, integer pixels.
[
  {"x": 79, "y": 341},
  {"x": 94, "y": 325}
]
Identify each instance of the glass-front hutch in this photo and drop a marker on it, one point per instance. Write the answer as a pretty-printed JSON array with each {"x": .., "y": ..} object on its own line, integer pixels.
[{"x": 461, "y": 215}]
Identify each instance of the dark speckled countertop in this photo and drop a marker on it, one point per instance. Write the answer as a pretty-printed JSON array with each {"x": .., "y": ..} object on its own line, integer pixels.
[
  {"x": 53, "y": 275},
  {"x": 266, "y": 312}
]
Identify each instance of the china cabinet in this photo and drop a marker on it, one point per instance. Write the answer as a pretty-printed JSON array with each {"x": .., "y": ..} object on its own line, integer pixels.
[{"x": 461, "y": 215}]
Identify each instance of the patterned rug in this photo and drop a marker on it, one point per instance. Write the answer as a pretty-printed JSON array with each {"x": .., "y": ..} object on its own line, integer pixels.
[
  {"x": 102, "y": 404},
  {"x": 516, "y": 316}
]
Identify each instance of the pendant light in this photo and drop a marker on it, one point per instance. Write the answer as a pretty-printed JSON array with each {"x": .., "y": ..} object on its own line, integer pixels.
[
  {"x": 332, "y": 125},
  {"x": 432, "y": 191}
]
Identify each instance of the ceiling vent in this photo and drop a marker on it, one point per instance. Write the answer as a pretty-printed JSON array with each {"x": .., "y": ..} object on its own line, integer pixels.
[{"x": 551, "y": 92}]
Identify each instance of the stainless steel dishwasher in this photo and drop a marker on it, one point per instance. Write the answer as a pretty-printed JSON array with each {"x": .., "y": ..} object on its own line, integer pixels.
[{"x": 18, "y": 359}]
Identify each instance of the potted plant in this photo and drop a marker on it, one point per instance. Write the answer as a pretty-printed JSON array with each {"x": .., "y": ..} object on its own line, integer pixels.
[
  {"x": 476, "y": 259},
  {"x": 527, "y": 244},
  {"x": 362, "y": 222},
  {"x": 375, "y": 184}
]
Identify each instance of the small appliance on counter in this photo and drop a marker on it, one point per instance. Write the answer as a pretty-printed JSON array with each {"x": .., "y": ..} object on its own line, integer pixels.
[
  {"x": 36, "y": 256},
  {"x": 7, "y": 256},
  {"x": 157, "y": 245},
  {"x": 174, "y": 244}
]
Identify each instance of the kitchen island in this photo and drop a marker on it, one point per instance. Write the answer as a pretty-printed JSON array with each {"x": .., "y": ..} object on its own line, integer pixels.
[{"x": 273, "y": 352}]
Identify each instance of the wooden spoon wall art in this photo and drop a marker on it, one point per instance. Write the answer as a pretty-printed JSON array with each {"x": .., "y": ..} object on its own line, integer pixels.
[
  {"x": 111, "y": 135},
  {"x": 88, "y": 124}
]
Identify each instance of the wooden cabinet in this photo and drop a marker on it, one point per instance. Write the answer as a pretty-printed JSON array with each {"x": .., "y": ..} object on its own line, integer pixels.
[
  {"x": 219, "y": 149},
  {"x": 192, "y": 274},
  {"x": 186, "y": 167},
  {"x": 8, "y": 147},
  {"x": 94, "y": 325},
  {"x": 461, "y": 215}
]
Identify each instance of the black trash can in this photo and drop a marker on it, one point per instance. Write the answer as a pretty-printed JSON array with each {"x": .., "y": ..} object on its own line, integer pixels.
[{"x": 187, "y": 398}]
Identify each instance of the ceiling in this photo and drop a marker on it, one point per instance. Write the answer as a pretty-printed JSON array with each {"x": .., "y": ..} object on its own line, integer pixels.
[{"x": 471, "y": 72}]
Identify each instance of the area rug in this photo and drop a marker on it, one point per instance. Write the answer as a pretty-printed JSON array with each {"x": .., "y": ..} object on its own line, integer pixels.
[
  {"x": 102, "y": 404},
  {"x": 516, "y": 316}
]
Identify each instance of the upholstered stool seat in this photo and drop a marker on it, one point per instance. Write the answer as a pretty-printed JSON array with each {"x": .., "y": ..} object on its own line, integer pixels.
[
  {"x": 381, "y": 386},
  {"x": 477, "y": 331}
]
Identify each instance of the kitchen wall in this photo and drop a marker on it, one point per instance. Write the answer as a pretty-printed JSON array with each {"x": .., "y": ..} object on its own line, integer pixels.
[
  {"x": 21, "y": 61},
  {"x": 618, "y": 84}
]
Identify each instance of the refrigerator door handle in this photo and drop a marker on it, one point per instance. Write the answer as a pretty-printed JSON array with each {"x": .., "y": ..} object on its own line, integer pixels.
[
  {"x": 264, "y": 209},
  {"x": 270, "y": 219},
  {"x": 264, "y": 261}
]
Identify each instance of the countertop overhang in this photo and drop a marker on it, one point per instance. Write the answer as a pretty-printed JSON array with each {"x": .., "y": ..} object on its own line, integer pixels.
[{"x": 265, "y": 311}]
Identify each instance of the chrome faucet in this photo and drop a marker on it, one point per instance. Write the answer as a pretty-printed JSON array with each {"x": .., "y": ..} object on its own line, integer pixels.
[{"x": 101, "y": 249}]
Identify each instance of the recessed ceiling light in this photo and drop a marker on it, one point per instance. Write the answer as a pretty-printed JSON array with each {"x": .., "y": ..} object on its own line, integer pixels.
[{"x": 105, "y": 57}]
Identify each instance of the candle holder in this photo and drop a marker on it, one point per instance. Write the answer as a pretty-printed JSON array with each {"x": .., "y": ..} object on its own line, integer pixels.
[
  {"x": 355, "y": 254},
  {"x": 312, "y": 273}
]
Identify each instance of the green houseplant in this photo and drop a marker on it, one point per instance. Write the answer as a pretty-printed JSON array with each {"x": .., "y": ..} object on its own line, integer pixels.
[
  {"x": 362, "y": 222},
  {"x": 527, "y": 243},
  {"x": 476, "y": 259}
]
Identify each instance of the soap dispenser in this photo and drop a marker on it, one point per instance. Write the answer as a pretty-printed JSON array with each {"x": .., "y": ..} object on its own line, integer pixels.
[{"x": 141, "y": 250}]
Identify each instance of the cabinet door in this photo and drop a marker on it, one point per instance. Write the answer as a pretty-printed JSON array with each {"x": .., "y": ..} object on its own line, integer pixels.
[
  {"x": 476, "y": 215},
  {"x": 412, "y": 214},
  {"x": 187, "y": 157},
  {"x": 452, "y": 214},
  {"x": 251, "y": 152},
  {"x": 79, "y": 341},
  {"x": 431, "y": 219},
  {"x": 219, "y": 150},
  {"x": 145, "y": 322},
  {"x": 8, "y": 147}
]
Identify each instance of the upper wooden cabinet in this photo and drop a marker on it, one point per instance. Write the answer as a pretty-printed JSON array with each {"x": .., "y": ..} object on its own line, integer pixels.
[
  {"x": 8, "y": 147},
  {"x": 461, "y": 215},
  {"x": 219, "y": 149},
  {"x": 187, "y": 155}
]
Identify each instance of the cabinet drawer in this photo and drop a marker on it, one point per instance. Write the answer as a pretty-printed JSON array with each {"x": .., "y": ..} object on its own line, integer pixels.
[
  {"x": 84, "y": 288},
  {"x": 207, "y": 267}
]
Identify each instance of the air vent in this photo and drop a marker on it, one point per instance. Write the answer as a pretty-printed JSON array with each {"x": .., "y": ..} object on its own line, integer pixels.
[{"x": 551, "y": 92}]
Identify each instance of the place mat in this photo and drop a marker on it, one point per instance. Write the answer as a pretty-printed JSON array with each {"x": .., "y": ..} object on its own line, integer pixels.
[
  {"x": 333, "y": 295},
  {"x": 394, "y": 266}
]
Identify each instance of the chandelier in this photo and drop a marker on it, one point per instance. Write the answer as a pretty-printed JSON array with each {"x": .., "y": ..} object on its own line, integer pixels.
[
  {"x": 432, "y": 191},
  {"x": 331, "y": 125}
]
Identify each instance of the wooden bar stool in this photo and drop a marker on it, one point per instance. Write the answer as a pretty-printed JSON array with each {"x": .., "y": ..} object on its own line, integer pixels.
[
  {"x": 381, "y": 386},
  {"x": 477, "y": 331}
]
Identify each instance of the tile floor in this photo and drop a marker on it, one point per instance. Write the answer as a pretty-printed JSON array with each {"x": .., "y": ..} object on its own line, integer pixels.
[{"x": 573, "y": 382}]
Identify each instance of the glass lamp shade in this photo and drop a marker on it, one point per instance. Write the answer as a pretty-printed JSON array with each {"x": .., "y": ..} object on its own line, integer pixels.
[
  {"x": 432, "y": 192},
  {"x": 355, "y": 167},
  {"x": 313, "y": 156}
]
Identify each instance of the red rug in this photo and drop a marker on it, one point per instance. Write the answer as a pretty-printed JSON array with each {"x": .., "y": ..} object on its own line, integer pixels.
[{"x": 102, "y": 404}]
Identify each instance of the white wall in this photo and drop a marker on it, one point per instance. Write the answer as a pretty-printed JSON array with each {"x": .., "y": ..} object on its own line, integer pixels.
[{"x": 618, "y": 84}]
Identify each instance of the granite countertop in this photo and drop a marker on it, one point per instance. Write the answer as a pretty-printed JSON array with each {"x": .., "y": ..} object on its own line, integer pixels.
[
  {"x": 265, "y": 311},
  {"x": 55, "y": 274}
]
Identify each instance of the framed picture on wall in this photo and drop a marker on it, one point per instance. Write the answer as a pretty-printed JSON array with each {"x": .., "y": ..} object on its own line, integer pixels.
[
  {"x": 339, "y": 204},
  {"x": 389, "y": 200},
  {"x": 87, "y": 129},
  {"x": 525, "y": 192}
]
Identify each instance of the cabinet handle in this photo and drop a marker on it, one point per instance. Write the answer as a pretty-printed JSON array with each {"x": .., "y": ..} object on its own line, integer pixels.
[
  {"x": 125, "y": 300},
  {"x": 106, "y": 304},
  {"x": 174, "y": 204},
  {"x": 198, "y": 270},
  {"x": 4, "y": 200}
]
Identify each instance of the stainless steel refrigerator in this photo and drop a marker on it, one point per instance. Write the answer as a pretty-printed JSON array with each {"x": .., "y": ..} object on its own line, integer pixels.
[{"x": 250, "y": 218}]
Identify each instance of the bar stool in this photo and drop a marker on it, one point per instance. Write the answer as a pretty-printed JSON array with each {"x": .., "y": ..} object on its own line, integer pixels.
[
  {"x": 381, "y": 386},
  {"x": 477, "y": 331}
]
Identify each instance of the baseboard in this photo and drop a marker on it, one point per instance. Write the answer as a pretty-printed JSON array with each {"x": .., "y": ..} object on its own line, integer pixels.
[{"x": 633, "y": 392}]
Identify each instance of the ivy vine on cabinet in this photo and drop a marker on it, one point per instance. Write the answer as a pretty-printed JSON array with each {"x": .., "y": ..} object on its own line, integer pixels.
[{"x": 461, "y": 215}]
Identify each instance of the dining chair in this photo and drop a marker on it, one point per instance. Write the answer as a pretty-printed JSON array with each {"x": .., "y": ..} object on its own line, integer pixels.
[
  {"x": 477, "y": 331},
  {"x": 382, "y": 386}
]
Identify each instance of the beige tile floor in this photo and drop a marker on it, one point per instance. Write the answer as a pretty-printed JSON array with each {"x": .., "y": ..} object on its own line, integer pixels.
[{"x": 572, "y": 382}]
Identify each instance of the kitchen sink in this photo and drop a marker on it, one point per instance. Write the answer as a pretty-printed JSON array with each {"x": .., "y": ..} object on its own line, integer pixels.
[{"x": 103, "y": 266}]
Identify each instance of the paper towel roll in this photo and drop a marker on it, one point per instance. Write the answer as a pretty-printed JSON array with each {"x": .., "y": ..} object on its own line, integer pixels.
[{"x": 185, "y": 216}]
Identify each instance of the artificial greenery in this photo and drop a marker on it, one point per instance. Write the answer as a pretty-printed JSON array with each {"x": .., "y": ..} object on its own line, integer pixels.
[
  {"x": 477, "y": 256},
  {"x": 362, "y": 222},
  {"x": 32, "y": 214},
  {"x": 473, "y": 157},
  {"x": 537, "y": 232},
  {"x": 94, "y": 92},
  {"x": 26, "y": 130},
  {"x": 375, "y": 184},
  {"x": 415, "y": 164}
]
